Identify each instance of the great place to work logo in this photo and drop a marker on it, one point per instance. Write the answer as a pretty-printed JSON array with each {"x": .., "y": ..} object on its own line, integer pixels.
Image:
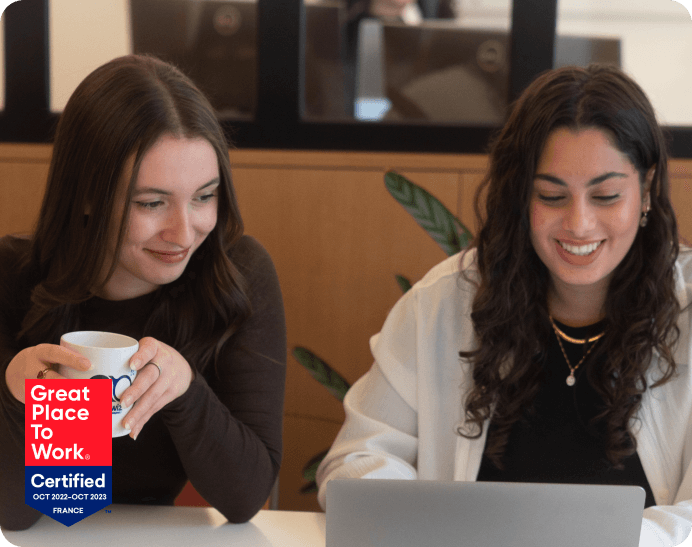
[{"x": 68, "y": 447}]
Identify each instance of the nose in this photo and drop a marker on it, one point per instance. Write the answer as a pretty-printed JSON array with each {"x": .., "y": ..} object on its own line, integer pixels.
[
  {"x": 579, "y": 218},
  {"x": 179, "y": 229}
]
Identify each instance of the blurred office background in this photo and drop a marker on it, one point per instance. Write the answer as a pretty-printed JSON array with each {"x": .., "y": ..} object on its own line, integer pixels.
[
  {"x": 320, "y": 100},
  {"x": 438, "y": 70}
]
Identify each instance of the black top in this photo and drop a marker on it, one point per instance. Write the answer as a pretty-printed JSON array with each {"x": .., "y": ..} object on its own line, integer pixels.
[
  {"x": 223, "y": 433},
  {"x": 560, "y": 443}
]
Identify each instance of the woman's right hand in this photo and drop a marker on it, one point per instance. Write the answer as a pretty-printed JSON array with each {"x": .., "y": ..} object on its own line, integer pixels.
[{"x": 30, "y": 361}]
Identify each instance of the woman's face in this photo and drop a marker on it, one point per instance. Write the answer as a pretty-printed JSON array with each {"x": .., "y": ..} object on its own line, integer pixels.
[
  {"x": 173, "y": 209},
  {"x": 585, "y": 208}
]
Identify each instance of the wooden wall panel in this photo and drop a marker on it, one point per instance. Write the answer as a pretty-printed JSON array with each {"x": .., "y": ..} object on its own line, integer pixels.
[
  {"x": 23, "y": 173},
  {"x": 337, "y": 239},
  {"x": 681, "y": 195},
  {"x": 304, "y": 437},
  {"x": 467, "y": 194}
]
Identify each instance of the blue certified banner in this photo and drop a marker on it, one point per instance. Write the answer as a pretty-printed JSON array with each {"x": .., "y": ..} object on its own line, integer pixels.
[
  {"x": 68, "y": 447},
  {"x": 66, "y": 493}
]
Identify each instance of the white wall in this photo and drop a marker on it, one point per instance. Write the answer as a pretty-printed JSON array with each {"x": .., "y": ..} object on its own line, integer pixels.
[
  {"x": 84, "y": 34},
  {"x": 656, "y": 46}
]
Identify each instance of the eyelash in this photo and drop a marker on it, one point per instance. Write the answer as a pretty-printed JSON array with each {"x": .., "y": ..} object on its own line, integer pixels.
[
  {"x": 148, "y": 205},
  {"x": 206, "y": 198},
  {"x": 555, "y": 199},
  {"x": 151, "y": 205}
]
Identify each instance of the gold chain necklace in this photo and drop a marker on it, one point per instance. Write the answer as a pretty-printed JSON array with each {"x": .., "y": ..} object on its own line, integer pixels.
[
  {"x": 571, "y": 380},
  {"x": 569, "y": 338}
]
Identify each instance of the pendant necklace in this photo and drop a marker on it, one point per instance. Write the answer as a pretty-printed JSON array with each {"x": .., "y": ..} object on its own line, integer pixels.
[{"x": 571, "y": 380}]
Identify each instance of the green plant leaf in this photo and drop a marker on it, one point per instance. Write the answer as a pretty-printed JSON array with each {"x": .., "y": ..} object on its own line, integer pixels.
[
  {"x": 322, "y": 372},
  {"x": 404, "y": 284},
  {"x": 310, "y": 469},
  {"x": 309, "y": 488},
  {"x": 430, "y": 214},
  {"x": 310, "y": 473}
]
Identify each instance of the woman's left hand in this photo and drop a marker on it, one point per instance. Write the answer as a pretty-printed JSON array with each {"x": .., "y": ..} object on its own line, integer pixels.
[{"x": 155, "y": 386}]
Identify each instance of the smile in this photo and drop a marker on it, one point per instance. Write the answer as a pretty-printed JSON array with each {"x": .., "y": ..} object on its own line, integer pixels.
[
  {"x": 581, "y": 250},
  {"x": 168, "y": 257}
]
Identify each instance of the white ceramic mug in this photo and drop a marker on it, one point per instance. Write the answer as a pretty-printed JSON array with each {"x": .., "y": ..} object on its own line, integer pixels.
[{"x": 110, "y": 354}]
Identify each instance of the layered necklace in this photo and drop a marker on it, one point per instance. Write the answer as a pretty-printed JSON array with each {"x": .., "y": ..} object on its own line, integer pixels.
[{"x": 561, "y": 335}]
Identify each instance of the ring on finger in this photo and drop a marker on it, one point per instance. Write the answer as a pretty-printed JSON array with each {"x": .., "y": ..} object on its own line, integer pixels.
[
  {"x": 157, "y": 366},
  {"x": 42, "y": 373}
]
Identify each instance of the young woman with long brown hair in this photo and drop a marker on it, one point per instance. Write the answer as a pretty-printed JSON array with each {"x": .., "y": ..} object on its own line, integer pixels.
[
  {"x": 557, "y": 349},
  {"x": 140, "y": 234}
]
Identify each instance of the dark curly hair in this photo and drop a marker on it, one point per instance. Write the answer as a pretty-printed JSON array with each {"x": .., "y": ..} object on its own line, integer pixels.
[{"x": 510, "y": 310}]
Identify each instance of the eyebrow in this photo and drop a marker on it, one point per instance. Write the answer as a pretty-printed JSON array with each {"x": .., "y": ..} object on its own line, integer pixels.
[
  {"x": 149, "y": 190},
  {"x": 597, "y": 180}
]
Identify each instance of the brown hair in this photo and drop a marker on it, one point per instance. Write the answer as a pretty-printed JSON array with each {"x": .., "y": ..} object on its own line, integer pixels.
[
  {"x": 119, "y": 112},
  {"x": 510, "y": 313}
]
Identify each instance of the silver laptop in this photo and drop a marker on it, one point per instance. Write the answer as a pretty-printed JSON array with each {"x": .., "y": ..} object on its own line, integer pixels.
[{"x": 401, "y": 513}]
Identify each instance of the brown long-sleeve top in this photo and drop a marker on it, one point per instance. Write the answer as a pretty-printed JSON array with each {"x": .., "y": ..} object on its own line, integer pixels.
[{"x": 223, "y": 433}]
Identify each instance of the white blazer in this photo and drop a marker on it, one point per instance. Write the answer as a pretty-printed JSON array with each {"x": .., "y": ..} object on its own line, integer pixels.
[{"x": 403, "y": 414}]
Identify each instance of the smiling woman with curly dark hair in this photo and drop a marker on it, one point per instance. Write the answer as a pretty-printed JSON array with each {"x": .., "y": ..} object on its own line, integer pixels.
[
  {"x": 557, "y": 349},
  {"x": 639, "y": 312}
]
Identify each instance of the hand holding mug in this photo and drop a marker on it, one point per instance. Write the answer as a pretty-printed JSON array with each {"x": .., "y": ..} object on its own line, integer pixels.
[
  {"x": 162, "y": 376},
  {"x": 42, "y": 361}
]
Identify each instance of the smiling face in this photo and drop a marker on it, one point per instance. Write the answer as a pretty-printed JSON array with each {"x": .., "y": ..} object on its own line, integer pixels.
[
  {"x": 173, "y": 209},
  {"x": 585, "y": 209}
]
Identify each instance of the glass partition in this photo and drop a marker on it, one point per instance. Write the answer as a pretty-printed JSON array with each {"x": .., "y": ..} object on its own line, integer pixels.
[
  {"x": 655, "y": 41},
  {"x": 212, "y": 41},
  {"x": 455, "y": 70},
  {"x": 448, "y": 67},
  {"x": 341, "y": 79},
  {"x": 328, "y": 92}
]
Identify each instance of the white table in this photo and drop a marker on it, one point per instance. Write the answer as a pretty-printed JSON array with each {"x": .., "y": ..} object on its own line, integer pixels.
[{"x": 134, "y": 525}]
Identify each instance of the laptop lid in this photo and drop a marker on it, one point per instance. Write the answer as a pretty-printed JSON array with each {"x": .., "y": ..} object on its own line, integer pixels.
[{"x": 401, "y": 513}]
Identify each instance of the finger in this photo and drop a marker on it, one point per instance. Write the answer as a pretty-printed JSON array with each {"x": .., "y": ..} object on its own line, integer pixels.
[
  {"x": 148, "y": 347},
  {"x": 137, "y": 426},
  {"x": 51, "y": 374},
  {"x": 158, "y": 368},
  {"x": 52, "y": 354},
  {"x": 146, "y": 377},
  {"x": 146, "y": 405}
]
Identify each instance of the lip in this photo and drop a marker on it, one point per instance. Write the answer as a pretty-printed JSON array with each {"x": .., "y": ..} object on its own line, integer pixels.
[
  {"x": 168, "y": 257},
  {"x": 576, "y": 260}
]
